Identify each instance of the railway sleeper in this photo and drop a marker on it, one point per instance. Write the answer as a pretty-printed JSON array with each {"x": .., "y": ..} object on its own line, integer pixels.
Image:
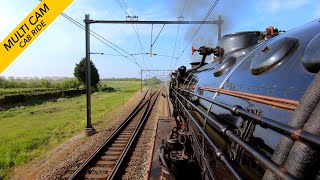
[
  {"x": 118, "y": 145},
  {"x": 125, "y": 135},
  {"x": 123, "y": 138},
  {"x": 115, "y": 149},
  {"x": 127, "y": 131},
  {"x": 130, "y": 128},
  {"x": 101, "y": 169},
  {"x": 106, "y": 163},
  {"x": 120, "y": 141},
  {"x": 112, "y": 153},
  {"x": 96, "y": 176},
  {"x": 111, "y": 158}
]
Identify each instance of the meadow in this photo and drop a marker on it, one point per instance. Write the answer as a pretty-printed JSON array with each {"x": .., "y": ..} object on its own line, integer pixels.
[{"x": 29, "y": 131}]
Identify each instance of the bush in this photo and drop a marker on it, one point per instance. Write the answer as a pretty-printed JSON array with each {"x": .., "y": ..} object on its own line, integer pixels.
[
  {"x": 45, "y": 83},
  {"x": 70, "y": 83},
  {"x": 105, "y": 88},
  {"x": 42, "y": 96},
  {"x": 12, "y": 99},
  {"x": 74, "y": 92}
]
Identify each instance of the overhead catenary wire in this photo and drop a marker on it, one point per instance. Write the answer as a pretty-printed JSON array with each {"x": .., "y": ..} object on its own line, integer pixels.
[
  {"x": 101, "y": 39},
  {"x": 141, "y": 47},
  {"x": 158, "y": 35},
  {"x": 174, "y": 49},
  {"x": 175, "y": 43},
  {"x": 198, "y": 29},
  {"x": 124, "y": 6}
]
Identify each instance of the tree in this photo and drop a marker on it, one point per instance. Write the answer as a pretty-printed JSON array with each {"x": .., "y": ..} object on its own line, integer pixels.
[{"x": 80, "y": 73}]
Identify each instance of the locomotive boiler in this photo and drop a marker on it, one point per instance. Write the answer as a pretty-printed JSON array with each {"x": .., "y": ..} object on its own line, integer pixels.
[{"x": 253, "y": 113}]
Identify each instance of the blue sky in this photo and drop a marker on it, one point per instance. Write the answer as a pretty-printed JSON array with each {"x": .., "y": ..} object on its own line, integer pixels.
[{"x": 62, "y": 45}]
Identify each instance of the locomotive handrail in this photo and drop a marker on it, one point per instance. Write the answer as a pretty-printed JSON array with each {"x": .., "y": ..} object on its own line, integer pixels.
[
  {"x": 296, "y": 134},
  {"x": 269, "y": 164},
  {"x": 219, "y": 152},
  {"x": 277, "y": 102},
  {"x": 281, "y": 100}
]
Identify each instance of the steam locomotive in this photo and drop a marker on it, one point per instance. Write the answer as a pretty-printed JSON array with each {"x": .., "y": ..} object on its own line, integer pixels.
[{"x": 253, "y": 113}]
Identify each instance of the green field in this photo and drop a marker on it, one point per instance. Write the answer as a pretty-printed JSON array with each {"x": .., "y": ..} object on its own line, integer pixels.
[{"x": 28, "y": 132}]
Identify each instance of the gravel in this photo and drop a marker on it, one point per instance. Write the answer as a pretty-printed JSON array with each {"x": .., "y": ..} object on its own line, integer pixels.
[{"x": 138, "y": 164}]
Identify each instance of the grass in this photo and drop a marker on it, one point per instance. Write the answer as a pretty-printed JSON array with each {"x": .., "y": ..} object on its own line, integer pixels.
[
  {"x": 28, "y": 132},
  {"x": 121, "y": 85}
]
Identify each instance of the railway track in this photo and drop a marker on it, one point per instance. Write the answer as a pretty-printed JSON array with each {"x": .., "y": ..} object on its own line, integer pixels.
[{"x": 106, "y": 161}]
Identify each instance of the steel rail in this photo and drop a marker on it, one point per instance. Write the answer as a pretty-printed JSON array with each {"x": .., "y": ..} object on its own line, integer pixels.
[
  {"x": 219, "y": 152},
  {"x": 269, "y": 164},
  {"x": 111, "y": 137},
  {"x": 146, "y": 114},
  {"x": 296, "y": 134}
]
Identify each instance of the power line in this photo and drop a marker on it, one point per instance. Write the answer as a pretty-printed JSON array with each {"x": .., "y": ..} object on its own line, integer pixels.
[
  {"x": 122, "y": 7},
  {"x": 141, "y": 47},
  {"x": 199, "y": 27},
  {"x": 158, "y": 35},
  {"x": 184, "y": 6},
  {"x": 97, "y": 36},
  {"x": 127, "y": 7},
  {"x": 100, "y": 38},
  {"x": 175, "y": 43}
]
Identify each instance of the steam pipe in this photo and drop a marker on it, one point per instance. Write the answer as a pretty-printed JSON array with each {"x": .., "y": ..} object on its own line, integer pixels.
[
  {"x": 162, "y": 158},
  {"x": 200, "y": 65},
  {"x": 297, "y": 134},
  {"x": 279, "y": 171}
]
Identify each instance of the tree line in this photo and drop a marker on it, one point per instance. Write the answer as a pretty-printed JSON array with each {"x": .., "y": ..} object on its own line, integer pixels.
[{"x": 66, "y": 83}]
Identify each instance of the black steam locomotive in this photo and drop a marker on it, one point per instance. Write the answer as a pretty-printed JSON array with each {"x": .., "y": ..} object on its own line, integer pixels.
[{"x": 253, "y": 113}]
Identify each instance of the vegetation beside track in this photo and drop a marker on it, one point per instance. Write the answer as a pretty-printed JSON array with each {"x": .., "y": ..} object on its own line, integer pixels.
[{"x": 28, "y": 132}]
